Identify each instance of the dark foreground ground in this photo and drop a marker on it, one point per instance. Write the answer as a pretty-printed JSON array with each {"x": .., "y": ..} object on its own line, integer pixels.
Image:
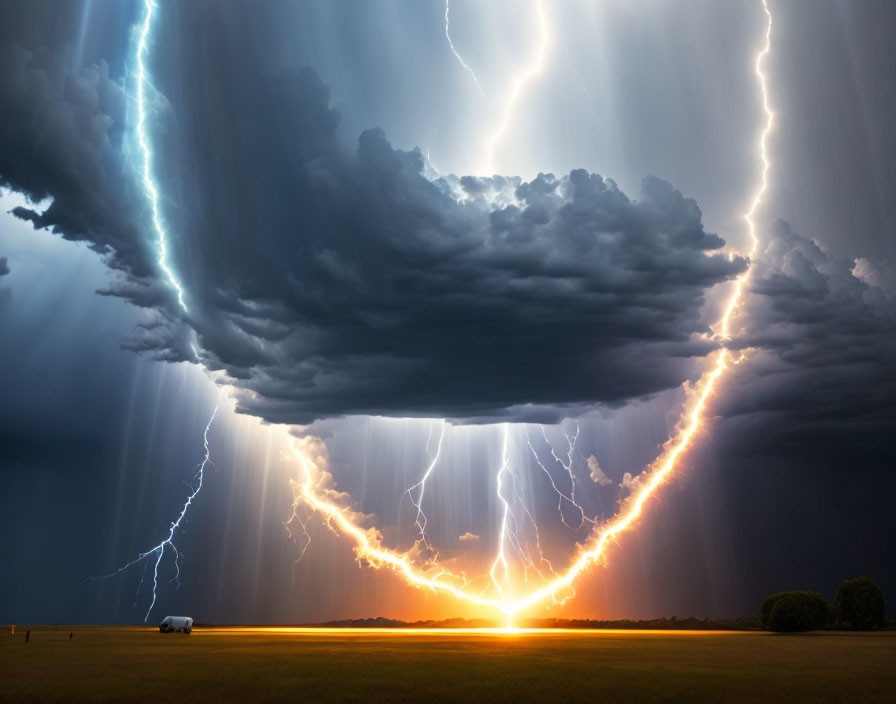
[{"x": 218, "y": 665}]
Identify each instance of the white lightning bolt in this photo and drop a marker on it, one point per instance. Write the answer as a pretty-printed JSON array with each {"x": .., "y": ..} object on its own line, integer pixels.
[
  {"x": 159, "y": 550},
  {"x": 519, "y": 82},
  {"x": 737, "y": 296},
  {"x": 502, "y": 535},
  {"x": 149, "y": 185},
  {"x": 588, "y": 97},
  {"x": 454, "y": 51},
  {"x": 570, "y": 450},
  {"x": 420, "y": 519},
  {"x": 561, "y": 496}
]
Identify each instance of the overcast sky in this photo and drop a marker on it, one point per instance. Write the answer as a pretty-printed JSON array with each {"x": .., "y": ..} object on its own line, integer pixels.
[{"x": 326, "y": 188}]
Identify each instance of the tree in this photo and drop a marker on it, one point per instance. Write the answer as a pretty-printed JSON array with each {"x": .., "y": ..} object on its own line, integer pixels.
[
  {"x": 794, "y": 611},
  {"x": 859, "y": 603}
]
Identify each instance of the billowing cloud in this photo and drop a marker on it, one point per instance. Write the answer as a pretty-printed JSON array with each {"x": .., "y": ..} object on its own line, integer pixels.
[
  {"x": 326, "y": 281},
  {"x": 823, "y": 368},
  {"x": 468, "y": 537},
  {"x": 632, "y": 482},
  {"x": 598, "y": 476},
  {"x": 61, "y": 138}
]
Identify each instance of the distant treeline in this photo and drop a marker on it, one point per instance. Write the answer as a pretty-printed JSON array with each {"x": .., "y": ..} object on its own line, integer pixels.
[
  {"x": 691, "y": 623},
  {"x": 858, "y": 604}
]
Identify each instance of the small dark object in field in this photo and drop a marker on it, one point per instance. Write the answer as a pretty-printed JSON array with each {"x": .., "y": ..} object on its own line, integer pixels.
[
  {"x": 70, "y": 635},
  {"x": 27, "y": 636}
]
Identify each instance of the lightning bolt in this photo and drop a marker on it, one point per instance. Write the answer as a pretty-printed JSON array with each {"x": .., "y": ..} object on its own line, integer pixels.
[
  {"x": 304, "y": 540},
  {"x": 500, "y": 558},
  {"x": 460, "y": 58},
  {"x": 762, "y": 187},
  {"x": 146, "y": 167},
  {"x": 570, "y": 450},
  {"x": 315, "y": 490},
  {"x": 581, "y": 79},
  {"x": 158, "y": 551},
  {"x": 561, "y": 496},
  {"x": 420, "y": 487},
  {"x": 519, "y": 82}
]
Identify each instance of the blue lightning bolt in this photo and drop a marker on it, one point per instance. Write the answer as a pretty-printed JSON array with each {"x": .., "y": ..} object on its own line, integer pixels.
[
  {"x": 149, "y": 185},
  {"x": 158, "y": 551},
  {"x": 459, "y": 57}
]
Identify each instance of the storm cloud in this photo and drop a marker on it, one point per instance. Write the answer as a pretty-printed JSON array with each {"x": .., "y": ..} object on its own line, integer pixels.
[
  {"x": 328, "y": 281},
  {"x": 821, "y": 376},
  {"x": 61, "y": 139}
]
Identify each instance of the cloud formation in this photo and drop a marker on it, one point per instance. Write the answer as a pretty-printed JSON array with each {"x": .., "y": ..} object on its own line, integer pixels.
[
  {"x": 598, "y": 476},
  {"x": 366, "y": 288},
  {"x": 823, "y": 372},
  {"x": 61, "y": 139},
  {"x": 326, "y": 281}
]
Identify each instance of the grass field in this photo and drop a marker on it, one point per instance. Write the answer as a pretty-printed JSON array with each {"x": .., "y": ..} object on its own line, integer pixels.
[{"x": 218, "y": 665}]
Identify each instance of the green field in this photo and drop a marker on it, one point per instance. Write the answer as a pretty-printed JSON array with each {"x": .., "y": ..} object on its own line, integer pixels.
[{"x": 217, "y": 665}]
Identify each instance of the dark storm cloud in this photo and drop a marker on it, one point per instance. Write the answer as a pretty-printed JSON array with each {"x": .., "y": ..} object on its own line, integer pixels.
[
  {"x": 806, "y": 442},
  {"x": 60, "y": 138},
  {"x": 824, "y": 374},
  {"x": 326, "y": 281},
  {"x": 365, "y": 288},
  {"x": 62, "y": 141}
]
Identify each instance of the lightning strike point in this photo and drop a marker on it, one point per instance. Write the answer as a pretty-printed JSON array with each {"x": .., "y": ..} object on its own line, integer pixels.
[{"x": 315, "y": 491}]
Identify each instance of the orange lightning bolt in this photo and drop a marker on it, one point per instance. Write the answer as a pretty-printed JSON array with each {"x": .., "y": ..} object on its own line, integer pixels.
[{"x": 315, "y": 488}]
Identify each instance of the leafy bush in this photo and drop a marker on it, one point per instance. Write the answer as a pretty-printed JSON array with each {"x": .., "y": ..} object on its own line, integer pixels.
[
  {"x": 860, "y": 603},
  {"x": 794, "y": 611}
]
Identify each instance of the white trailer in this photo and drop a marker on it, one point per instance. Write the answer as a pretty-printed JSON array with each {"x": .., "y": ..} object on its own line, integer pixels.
[{"x": 170, "y": 624}]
